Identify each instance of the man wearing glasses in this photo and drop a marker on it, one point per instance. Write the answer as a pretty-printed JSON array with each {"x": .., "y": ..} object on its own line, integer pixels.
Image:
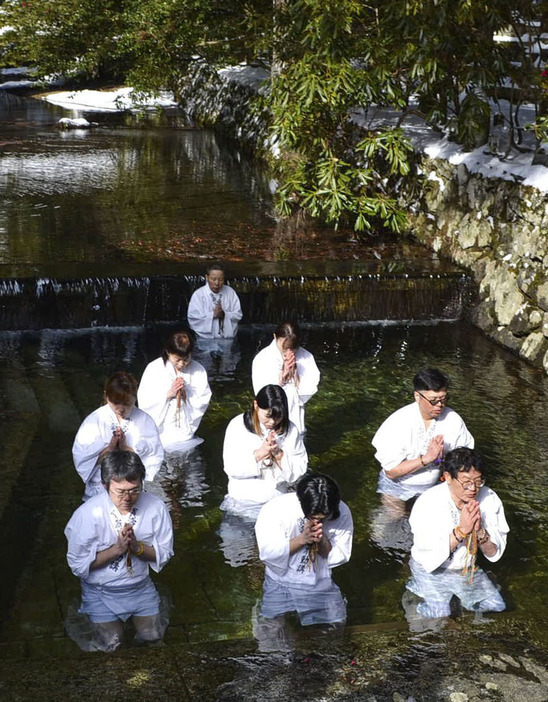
[
  {"x": 113, "y": 540},
  {"x": 452, "y": 524},
  {"x": 411, "y": 443}
]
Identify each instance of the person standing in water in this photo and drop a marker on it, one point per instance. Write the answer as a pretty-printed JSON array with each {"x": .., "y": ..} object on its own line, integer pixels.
[
  {"x": 214, "y": 309},
  {"x": 286, "y": 363},
  {"x": 117, "y": 425},
  {"x": 411, "y": 443}
]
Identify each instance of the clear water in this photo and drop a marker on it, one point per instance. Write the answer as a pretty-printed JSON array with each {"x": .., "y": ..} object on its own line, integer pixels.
[
  {"x": 73, "y": 199},
  {"x": 75, "y": 196},
  {"x": 49, "y": 381}
]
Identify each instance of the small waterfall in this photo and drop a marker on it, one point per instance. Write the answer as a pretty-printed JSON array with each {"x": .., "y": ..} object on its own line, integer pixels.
[{"x": 50, "y": 303}]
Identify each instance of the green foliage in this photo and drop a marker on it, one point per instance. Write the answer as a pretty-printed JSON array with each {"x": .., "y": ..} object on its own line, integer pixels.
[
  {"x": 328, "y": 57},
  {"x": 65, "y": 37},
  {"x": 329, "y": 167}
]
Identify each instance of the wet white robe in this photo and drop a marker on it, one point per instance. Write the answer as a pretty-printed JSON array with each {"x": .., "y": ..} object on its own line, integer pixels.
[
  {"x": 281, "y": 520},
  {"x": 176, "y": 426},
  {"x": 436, "y": 571},
  {"x": 94, "y": 527},
  {"x": 250, "y": 484},
  {"x": 95, "y": 434},
  {"x": 266, "y": 369},
  {"x": 403, "y": 436},
  {"x": 200, "y": 313},
  {"x": 292, "y": 582}
]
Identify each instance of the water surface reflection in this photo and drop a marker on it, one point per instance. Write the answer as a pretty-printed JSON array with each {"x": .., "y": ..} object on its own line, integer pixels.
[
  {"x": 77, "y": 195},
  {"x": 49, "y": 381}
]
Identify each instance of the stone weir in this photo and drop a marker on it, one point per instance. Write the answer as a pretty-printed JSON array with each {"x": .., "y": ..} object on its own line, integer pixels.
[{"x": 385, "y": 291}]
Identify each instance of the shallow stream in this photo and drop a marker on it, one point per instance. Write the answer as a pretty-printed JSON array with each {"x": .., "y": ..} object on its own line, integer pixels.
[
  {"x": 51, "y": 380},
  {"x": 70, "y": 201}
]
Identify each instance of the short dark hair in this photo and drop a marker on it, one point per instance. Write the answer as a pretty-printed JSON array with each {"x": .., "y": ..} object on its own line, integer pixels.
[
  {"x": 430, "y": 379},
  {"x": 180, "y": 344},
  {"x": 121, "y": 388},
  {"x": 462, "y": 460},
  {"x": 215, "y": 266},
  {"x": 274, "y": 399},
  {"x": 122, "y": 465},
  {"x": 291, "y": 333},
  {"x": 319, "y": 494}
]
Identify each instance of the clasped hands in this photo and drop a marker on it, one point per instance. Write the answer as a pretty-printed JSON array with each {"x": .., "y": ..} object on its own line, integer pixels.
[
  {"x": 269, "y": 449},
  {"x": 127, "y": 541},
  {"x": 118, "y": 441},
  {"x": 313, "y": 531},
  {"x": 470, "y": 517},
  {"x": 176, "y": 386},
  {"x": 289, "y": 366},
  {"x": 218, "y": 312},
  {"x": 435, "y": 450}
]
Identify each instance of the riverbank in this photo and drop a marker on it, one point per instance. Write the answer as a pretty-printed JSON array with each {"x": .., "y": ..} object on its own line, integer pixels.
[{"x": 503, "y": 660}]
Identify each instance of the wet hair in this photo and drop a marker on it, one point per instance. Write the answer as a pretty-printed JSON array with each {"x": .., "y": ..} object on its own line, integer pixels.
[
  {"x": 121, "y": 388},
  {"x": 122, "y": 465},
  {"x": 430, "y": 379},
  {"x": 291, "y": 333},
  {"x": 462, "y": 460},
  {"x": 215, "y": 266},
  {"x": 319, "y": 494},
  {"x": 273, "y": 398},
  {"x": 180, "y": 344}
]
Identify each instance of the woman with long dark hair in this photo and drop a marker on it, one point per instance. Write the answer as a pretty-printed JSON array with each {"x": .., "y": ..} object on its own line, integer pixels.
[{"x": 263, "y": 453}]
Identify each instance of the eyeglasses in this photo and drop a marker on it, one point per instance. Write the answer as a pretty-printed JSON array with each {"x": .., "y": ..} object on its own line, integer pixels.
[
  {"x": 435, "y": 401},
  {"x": 472, "y": 484},
  {"x": 132, "y": 492}
]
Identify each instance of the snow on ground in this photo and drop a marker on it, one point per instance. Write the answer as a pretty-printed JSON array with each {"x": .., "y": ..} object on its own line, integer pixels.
[
  {"x": 248, "y": 75},
  {"x": 106, "y": 100},
  {"x": 516, "y": 166}
]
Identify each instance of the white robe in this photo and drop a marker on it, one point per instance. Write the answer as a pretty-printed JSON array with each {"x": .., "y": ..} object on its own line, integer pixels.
[
  {"x": 250, "y": 484},
  {"x": 266, "y": 369},
  {"x": 176, "y": 426},
  {"x": 403, "y": 436},
  {"x": 94, "y": 527},
  {"x": 435, "y": 515},
  {"x": 200, "y": 313},
  {"x": 437, "y": 573},
  {"x": 95, "y": 434},
  {"x": 281, "y": 520}
]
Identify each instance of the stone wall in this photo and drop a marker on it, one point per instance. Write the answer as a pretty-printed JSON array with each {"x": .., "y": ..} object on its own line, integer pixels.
[
  {"x": 497, "y": 229},
  {"x": 225, "y": 101}
]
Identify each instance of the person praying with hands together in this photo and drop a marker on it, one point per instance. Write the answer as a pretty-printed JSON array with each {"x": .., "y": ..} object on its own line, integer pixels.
[
  {"x": 411, "y": 443},
  {"x": 286, "y": 363}
]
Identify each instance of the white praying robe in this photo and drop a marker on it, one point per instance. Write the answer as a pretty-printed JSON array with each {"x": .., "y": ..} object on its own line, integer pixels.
[
  {"x": 281, "y": 520},
  {"x": 266, "y": 369},
  {"x": 95, "y": 434},
  {"x": 177, "y": 426},
  {"x": 403, "y": 436},
  {"x": 435, "y": 515},
  {"x": 95, "y": 526},
  {"x": 200, "y": 313},
  {"x": 437, "y": 573},
  {"x": 250, "y": 484}
]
